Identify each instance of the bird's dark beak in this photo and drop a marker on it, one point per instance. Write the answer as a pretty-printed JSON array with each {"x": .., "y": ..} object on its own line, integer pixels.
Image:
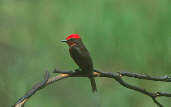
[{"x": 63, "y": 40}]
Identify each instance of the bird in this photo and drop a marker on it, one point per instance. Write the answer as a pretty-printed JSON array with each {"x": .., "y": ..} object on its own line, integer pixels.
[{"x": 81, "y": 56}]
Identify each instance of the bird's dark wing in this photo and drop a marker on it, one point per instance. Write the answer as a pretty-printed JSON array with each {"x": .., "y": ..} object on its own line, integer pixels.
[{"x": 82, "y": 58}]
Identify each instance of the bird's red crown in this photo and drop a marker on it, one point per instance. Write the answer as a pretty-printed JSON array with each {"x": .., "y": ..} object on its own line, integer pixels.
[{"x": 75, "y": 36}]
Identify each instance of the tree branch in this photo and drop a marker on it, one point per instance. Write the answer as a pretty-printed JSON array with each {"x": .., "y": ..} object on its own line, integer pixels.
[
  {"x": 146, "y": 77},
  {"x": 115, "y": 75}
]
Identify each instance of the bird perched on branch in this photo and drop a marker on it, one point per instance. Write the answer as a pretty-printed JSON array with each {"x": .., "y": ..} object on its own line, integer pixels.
[{"x": 81, "y": 56}]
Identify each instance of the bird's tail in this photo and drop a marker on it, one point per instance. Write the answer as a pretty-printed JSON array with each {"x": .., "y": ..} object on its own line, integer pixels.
[{"x": 93, "y": 84}]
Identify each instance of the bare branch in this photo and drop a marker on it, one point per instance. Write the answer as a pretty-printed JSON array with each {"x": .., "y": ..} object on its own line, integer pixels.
[
  {"x": 146, "y": 77},
  {"x": 41, "y": 85},
  {"x": 115, "y": 75}
]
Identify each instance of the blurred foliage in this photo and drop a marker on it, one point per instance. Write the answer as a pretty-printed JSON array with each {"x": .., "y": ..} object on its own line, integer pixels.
[{"x": 120, "y": 34}]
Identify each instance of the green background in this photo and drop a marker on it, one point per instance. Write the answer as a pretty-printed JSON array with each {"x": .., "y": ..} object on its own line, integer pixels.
[{"x": 121, "y": 35}]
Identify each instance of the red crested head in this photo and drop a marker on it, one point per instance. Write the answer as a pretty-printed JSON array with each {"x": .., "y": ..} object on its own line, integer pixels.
[{"x": 74, "y": 36}]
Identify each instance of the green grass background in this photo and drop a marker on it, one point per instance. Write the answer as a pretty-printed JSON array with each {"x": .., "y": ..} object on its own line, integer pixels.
[{"x": 121, "y": 35}]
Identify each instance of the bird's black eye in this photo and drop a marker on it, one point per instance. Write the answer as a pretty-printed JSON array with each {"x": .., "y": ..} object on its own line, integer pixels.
[{"x": 72, "y": 39}]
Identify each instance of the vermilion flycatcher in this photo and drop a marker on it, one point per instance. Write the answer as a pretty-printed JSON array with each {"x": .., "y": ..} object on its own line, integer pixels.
[{"x": 81, "y": 56}]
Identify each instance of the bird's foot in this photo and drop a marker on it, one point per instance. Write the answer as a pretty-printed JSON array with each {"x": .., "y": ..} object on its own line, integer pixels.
[{"x": 78, "y": 71}]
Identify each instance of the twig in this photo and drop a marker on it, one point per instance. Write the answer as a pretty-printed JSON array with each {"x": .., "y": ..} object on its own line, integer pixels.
[
  {"x": 146, "y": 77},
  {"x": 116, "y": 75},
  {"x": 37, "y": 87}
]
